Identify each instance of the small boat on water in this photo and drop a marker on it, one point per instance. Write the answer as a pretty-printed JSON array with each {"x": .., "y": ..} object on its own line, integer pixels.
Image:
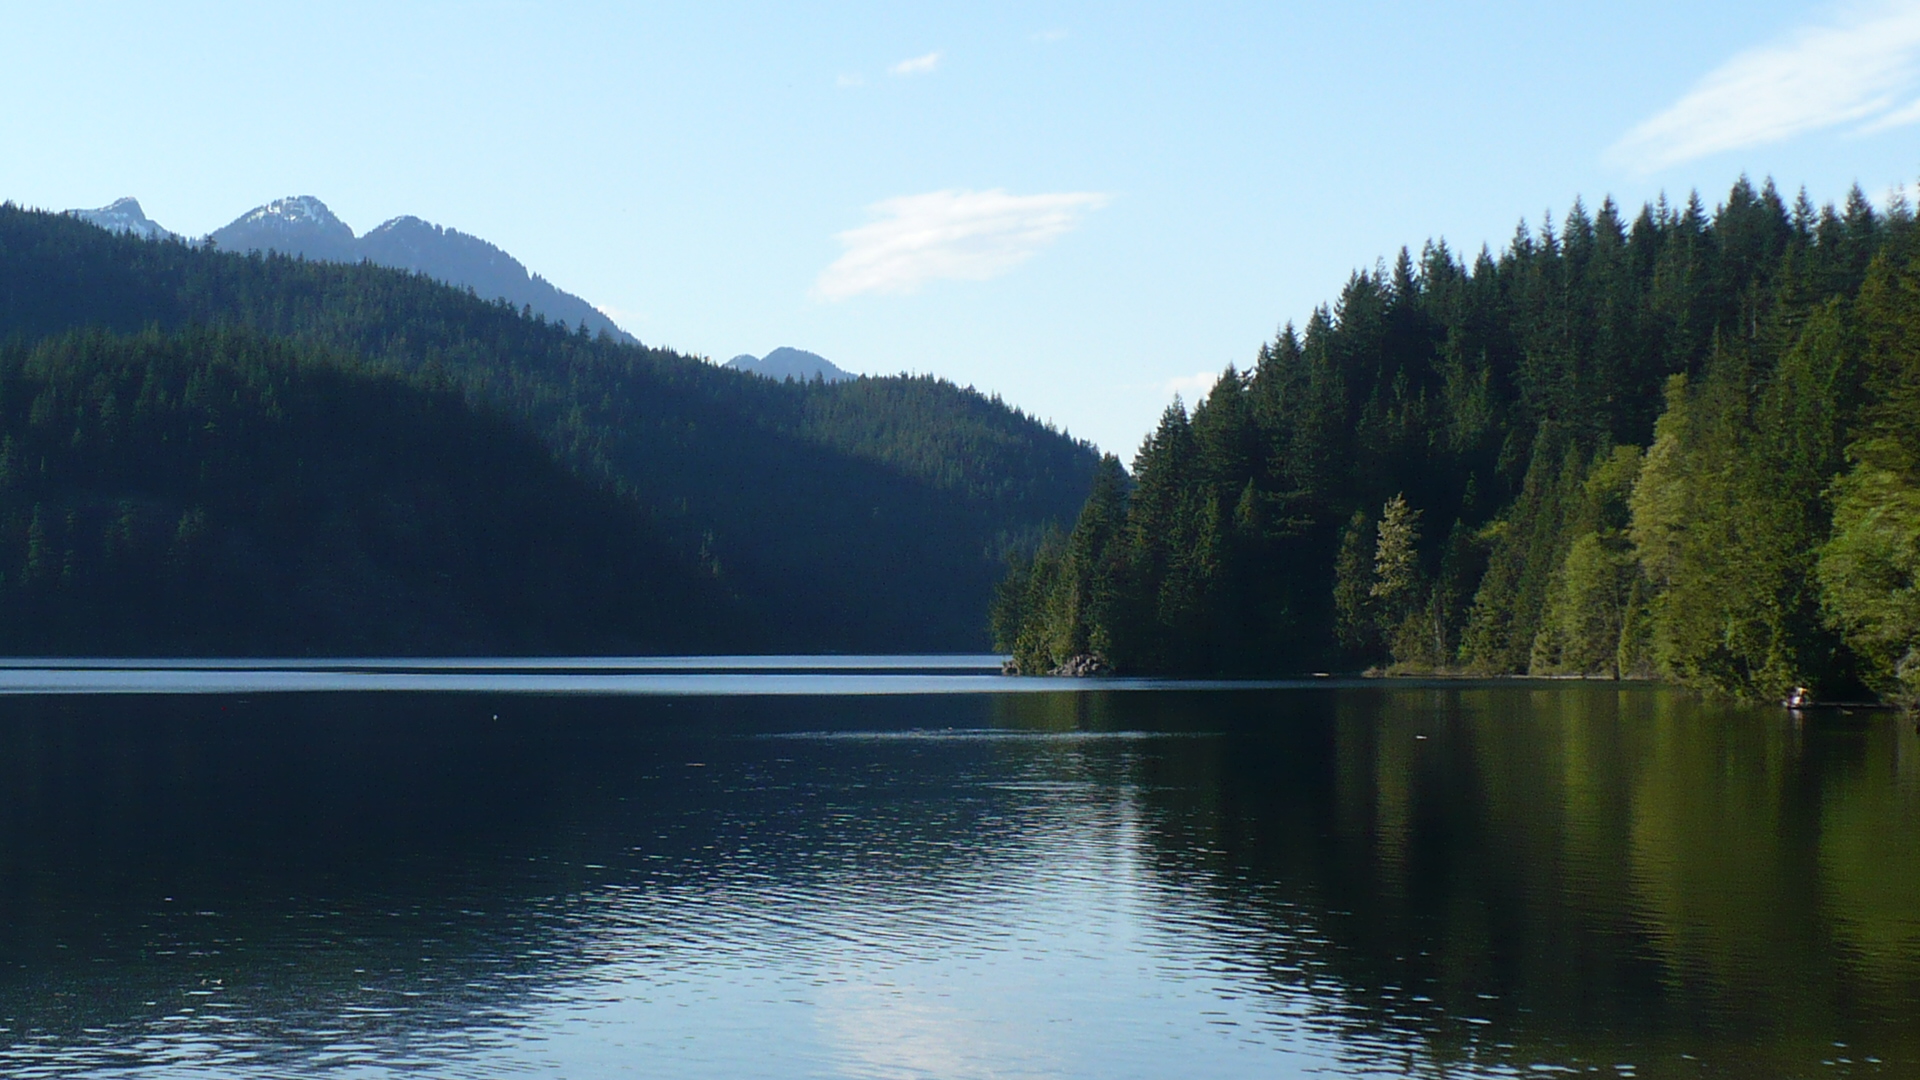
[{"x": 1799, "y": 698}]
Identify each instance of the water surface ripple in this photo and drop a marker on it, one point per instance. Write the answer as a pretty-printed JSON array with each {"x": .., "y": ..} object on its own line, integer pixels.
[{"x": 1351, "y": 880}]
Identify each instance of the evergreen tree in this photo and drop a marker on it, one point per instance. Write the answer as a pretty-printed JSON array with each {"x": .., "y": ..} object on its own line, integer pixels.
[
  {"x": 1353, "y": 587},
  {"x": 1397, "y": 590},
  {"x": 1869, "y": 568},
  {"x": 1589, "y": 602},
  {"x": 1679, "y": 442}
]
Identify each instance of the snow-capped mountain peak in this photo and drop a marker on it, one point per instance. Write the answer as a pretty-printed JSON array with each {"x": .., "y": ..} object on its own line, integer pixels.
[
  {"x": 296, "y": 212},
  {"x": 299, "y": 223},
  {"x": 301, "y": 226},
  {"x": 123, "y": 216}
]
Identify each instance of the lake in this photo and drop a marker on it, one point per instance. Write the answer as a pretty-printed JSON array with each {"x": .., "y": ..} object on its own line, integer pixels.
[{"x": 375, "y": 868}]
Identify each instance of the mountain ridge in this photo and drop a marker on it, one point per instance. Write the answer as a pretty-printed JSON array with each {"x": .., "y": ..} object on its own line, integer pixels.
[{"x": 303, "y": 225}]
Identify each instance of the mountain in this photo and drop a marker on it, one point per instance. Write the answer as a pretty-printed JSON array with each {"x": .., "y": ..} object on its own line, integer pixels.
[
  {"x": 302, "y": 225},
  {"x": 458, "y": 258},
  {"x": 124, "y": 216},
  {"x": 787, "y": 363},
  {"x": 856, "y": 516}
]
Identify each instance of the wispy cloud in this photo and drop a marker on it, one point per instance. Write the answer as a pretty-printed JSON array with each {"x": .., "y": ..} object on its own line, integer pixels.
[
  {"x": 948, "y": 235},
  {"x": 919, "y": 65},
  {"x": 845, "y": 82},
  {"x": 1863, "y": 64},
  {"x": 1050, "y": 36},
  {"x": 1901, "y": 117}
]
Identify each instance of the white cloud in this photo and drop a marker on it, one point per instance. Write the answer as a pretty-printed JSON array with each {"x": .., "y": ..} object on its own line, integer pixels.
[
  {"x": 1858, "y": 66},
  {"x": 625, "y": 317},
  {"x": 1191, "y": 387},
  {"x": 948, "y": 235},
  {"x": 1050, "y": 36},
  {"x": 919, "y": 65},
  {"x": 1901, "y": 117},
  {"x": 847, "y": 81}
]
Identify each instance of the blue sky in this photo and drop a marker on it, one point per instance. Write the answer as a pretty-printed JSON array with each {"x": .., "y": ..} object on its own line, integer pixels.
[{"x": 1084, "y": 208}]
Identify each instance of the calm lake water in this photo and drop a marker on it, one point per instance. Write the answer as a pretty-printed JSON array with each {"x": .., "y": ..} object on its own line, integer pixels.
[{"x": 828, "y": 880}]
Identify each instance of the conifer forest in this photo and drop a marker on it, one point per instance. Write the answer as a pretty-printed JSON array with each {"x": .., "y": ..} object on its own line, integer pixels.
[{"x": 1680, "y": 443}]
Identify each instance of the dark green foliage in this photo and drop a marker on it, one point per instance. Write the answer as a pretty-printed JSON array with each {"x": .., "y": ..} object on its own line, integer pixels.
[
  {"x": 1355, "y": 625},
  {"x": 1870, "y": 568},
  {"x": 1587, "y": 612},
  {"x": 872, "y": 514},
  {"x": 1768, "y": 360},
  {"x": 215, "y": 491},
  {"x": 1058, "y": 604},
  {"x": 1527, "y": 544}
]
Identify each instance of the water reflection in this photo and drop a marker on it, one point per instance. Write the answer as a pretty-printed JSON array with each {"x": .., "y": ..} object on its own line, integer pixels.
[
  {"x": 1358, "y": 881},
  {"x": 1576, "y": 876}
]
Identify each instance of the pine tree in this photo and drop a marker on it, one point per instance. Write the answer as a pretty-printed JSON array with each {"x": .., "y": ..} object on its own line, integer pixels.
[
  {"x": 1397, "y": 589},
  {"x": 1668, "y": 443},
  {"x": 1353, "y": 587}
]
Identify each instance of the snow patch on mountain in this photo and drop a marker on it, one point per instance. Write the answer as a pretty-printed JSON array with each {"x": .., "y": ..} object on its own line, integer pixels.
[
  {"x": 124, "y": 216},
  {"x": 296, "y": 210},
  {"x": 302, "y": 225}
]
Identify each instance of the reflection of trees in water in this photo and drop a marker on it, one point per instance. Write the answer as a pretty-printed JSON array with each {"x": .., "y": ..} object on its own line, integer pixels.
[
  {"x": 415, "y": 876},
  {"x": 1870, "y": 856},
  {"x": 1578, "y": 873},
  {"x": 1594, "y": 873},
  {"x": 279, "y": 876}
]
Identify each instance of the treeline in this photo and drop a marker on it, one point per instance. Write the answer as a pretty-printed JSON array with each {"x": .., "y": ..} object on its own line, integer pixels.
[
  {"x": 867, "y": 515},
  {"x": 217, "y": 491},
  {"x": 1680, "y": 444}
]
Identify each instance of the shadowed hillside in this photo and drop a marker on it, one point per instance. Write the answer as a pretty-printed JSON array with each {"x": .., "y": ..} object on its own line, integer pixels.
[{"x": 866, "y": 515}]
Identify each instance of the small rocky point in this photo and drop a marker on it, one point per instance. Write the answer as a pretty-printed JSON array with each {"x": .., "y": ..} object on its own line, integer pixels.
[
  {"x": 1086, "y": 665},
  {"x": 1083, "y": 666}
]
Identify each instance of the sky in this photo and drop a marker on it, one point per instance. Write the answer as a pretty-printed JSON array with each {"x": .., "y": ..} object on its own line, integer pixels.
[{"x": 1084, "y": 208}]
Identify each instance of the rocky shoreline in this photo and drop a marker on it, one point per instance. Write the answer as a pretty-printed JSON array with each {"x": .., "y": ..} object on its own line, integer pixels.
[{"x": 1083, "y": 666}]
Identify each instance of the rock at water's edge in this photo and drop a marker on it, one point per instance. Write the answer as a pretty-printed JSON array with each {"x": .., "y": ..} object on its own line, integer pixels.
[{"x": 1084, "y": 666}]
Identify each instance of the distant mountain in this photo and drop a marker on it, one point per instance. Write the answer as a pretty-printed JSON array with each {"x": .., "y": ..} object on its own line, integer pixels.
[
  {"x": 786, "y": 363},
  {"x": 124, "y": 216},
  {"x": 303, "y": 225},
  {"x": 458, "y": 258},
  {"x": 296, "y": 226}
]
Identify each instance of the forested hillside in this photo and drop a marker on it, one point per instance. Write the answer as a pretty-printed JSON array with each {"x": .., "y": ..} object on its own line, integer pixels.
[
  {"x": 218, "y": 491},
  {"x": 1682, "y": 443},
  {"x": 871, "y": 514}
]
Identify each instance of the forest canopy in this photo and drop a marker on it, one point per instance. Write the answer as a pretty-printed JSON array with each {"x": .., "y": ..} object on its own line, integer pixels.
[
  {"x": 1678, "y": 443},
  {"x": 220, "y": 491}
]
